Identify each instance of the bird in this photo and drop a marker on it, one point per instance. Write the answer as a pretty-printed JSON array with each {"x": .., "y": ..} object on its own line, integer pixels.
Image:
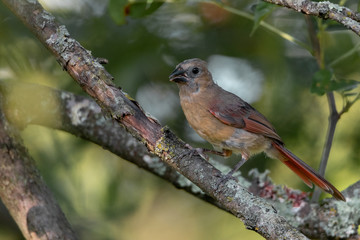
[{"x": 231, "y": 124}]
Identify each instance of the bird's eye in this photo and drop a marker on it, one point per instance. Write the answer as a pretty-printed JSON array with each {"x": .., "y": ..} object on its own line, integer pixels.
[{"x": 195, "y": 70}]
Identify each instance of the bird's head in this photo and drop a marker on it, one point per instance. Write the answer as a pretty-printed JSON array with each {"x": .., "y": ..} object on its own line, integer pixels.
[{"x": 192, "y": 74}]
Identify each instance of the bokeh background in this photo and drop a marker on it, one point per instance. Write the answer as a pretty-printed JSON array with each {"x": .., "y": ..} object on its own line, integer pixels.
[{"x": 105, "y": 197}]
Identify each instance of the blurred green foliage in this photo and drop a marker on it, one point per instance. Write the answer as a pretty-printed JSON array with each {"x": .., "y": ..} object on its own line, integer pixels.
[
  {"x": 120, "y": 9},
  {"x": 323, "y": 82},
  {"x": 105, "y": 197}
]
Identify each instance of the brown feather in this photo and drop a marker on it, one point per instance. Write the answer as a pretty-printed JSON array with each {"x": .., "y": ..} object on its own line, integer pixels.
[
  {"x": 240, "y": 114},
  {"x": 304, "y": 171}
]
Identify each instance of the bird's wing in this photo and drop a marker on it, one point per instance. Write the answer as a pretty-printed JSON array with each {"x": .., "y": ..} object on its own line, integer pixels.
[{"x": 240, "y": 114}]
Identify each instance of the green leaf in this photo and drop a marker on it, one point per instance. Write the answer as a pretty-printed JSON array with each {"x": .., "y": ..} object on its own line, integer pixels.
[
  {"x": 321, "y": 82},
  {"x": 324, "y": 81},
  {"x": 116, "y": 10},
  {"x": 262, "y": 10},
  {"x": 120, "y": 9}
]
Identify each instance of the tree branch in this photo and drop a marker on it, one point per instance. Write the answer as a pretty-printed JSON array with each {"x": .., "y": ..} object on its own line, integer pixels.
[
  {"x": 24, "y": 193},
  {"x": 83, "y": 118},
  {"x": 334, "y": 222},
  {"x": 93, "y": 78},
  {"x": 325, "y": 10}
]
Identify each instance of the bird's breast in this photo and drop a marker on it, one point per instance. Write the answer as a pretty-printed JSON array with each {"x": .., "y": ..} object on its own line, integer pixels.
[{"x": 203, "y": 122}]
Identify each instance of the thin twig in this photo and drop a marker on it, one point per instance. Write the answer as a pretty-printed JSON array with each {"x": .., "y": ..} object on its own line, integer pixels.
[
  {"x": 266, "y": 25},
  {"x": 333, "y": 117},
  {"x": 349, "y": 104},
  {"x": 345, "y": 55}
]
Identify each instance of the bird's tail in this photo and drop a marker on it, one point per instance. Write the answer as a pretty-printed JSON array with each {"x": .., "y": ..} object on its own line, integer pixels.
[{"x": 304, "y": 171}]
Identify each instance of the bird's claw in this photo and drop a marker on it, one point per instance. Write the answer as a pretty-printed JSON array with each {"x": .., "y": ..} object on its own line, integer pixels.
[
  {"x": 230, "y": 174},
  {"x": 224, "y": 179},
  {"x": 199, "y": 151},
  {"x": 193, "y": 151}
]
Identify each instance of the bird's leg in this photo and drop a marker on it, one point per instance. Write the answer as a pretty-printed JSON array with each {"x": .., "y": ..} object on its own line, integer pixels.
[
  {"x": 244, "y": 157},
  {"x": 237, "y": 166}
]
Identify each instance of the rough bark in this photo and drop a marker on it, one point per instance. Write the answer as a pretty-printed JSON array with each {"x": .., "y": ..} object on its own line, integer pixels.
[
  {"x": 325, "y": 10},
  {"x": 24, "y": 193}
]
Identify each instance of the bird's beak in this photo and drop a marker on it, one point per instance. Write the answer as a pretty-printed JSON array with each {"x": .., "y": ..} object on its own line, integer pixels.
[{"x": 178, "y": 76}]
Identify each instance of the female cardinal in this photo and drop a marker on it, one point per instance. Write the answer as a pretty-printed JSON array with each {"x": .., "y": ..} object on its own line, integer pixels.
[{"x": 231, "y": 124}]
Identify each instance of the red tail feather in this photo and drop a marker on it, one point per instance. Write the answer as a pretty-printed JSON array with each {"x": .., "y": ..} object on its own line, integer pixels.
[{"x": 304, "y": 171}]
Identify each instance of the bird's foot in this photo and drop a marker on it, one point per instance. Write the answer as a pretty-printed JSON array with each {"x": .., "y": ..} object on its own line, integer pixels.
[
  {"x": 230, "y": 174},
  {"x": 189, "y": 153},
  {"x": 200, "y": 151},
  {"x": 224, "y": 180}
]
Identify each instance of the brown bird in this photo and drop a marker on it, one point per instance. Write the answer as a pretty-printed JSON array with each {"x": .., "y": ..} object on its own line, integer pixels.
[{"x": 231, "y": 124}]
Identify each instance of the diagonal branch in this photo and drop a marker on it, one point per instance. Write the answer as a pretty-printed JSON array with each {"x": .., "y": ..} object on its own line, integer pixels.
[{"x": 256, "y": 214}]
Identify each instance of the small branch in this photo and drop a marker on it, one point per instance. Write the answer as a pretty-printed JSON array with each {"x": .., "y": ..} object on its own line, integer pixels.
[
  {"x": 324, "y": 10},
  {"x": 348, "y": 105},
  {"x": 333, "y": 119},
  {"x": 24, "y": 193}
]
